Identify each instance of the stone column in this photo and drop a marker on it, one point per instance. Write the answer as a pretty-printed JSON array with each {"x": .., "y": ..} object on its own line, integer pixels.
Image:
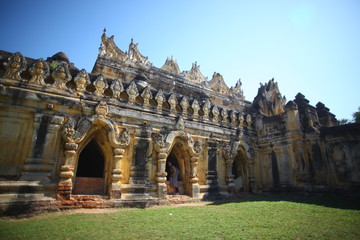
[
  {"x": 229, "y": 160},
  {"x": 229, "y": 177},
  {"x": 39, "y": 166},
  {"x": 251, "y": 176},
  {"x": 67, "y": 171},
  {"x": 161, "y": 174},
  {"x": 195, "y": 188},
  {"x": 211, "y": 174},
  {"x": 139, "y": 169},
  {"x": 117, "y": 176}
]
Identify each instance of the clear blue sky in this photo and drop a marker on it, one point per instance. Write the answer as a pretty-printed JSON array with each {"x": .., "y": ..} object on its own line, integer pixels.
[{"x": 312, "y": 47}]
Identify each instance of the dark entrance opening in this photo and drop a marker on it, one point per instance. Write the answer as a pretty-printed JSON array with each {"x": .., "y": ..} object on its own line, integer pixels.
[
  {"x": 239, "y": 170},
  {"x": 90, "y": 170},
  {"x": 172, "y": 158}
]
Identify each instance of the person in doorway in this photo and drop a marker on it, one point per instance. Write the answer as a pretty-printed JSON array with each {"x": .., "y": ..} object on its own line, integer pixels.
[{"x": 173, "y": 176}]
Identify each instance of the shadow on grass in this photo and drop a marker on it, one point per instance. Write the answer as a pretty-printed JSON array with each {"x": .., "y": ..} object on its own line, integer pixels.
[{"x": 332, "y": 201}]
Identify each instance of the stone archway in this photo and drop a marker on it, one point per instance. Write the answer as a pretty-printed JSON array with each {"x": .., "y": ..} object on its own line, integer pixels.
[
  {"x": 93, "y": 163},
  {"x": 180, "y": 157},
  {"x": 239, "y": 162},
  {"x": 163, "y": 145},
  {"x": 77, "y": 135},
  {"x": 240, "y": 171}
]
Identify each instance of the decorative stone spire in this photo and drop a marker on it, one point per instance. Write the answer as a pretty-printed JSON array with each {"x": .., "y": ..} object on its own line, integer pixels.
[
  {"x": 218, "y": 84},
  {"x": 135, "y": 55},
  {"x": 171, "y": 65},
  {"x": 237, "y": 91},
  {"x": 108, "y": 49},
  {"x": 195, "y": 74},
  {"x": 326, "y": 118},
  {"x": 269, "y": 101}
]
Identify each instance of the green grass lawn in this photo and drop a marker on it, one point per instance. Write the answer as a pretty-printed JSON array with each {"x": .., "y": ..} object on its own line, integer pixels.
[{"x": 255, "y": 217}]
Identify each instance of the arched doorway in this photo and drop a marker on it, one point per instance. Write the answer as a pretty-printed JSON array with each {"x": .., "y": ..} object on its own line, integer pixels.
[
  {"x": 240, "y": 172},
  {"x": 90, "y": 171},
  {"x": 180, "y": 158}
]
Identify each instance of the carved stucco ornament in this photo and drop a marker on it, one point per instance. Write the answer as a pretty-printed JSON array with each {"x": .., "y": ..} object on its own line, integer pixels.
[
  {"x": 116, "y": 88},
  {"x": 197, "y": 147},
  {"x": 184, "y": 105},
  {"x": 81, "y": 80},
  {"x": 159, "y": 143},
  {"x": 224, "y": 115},
  {"x": 75, "y": 131},
  {"x": 206, "y": 109},
  {"x": 69, "y": 132},
  {"x": 195, "y": 74},
  {"x": 102, "y": 109},
  {"x": 100, "y": 85},
  {"x": 233, "y": 118},
  {"x": 171, "y": 65},
  {"x": 15, "y": 66},
  {"x": 215, "y": 113},
  {"x": 269, "y": 101},
  {"x": 108, "y": 49},
  {"x": 218, "y": 84},
  {"x": 172, "y": 101},
  {"x": 146, "y": 95},
  {"x": 124, "y": 138},
  {"x": 164, "y": 142},
  {"x": 132, "y": 92},
  {"x": 39, "y": 71},
  {"x": 237, "y": 91},
  {"x": 241, "y": 119},
  {"x": 159, "y": 99},
  {"x": 61, "y": 75},
  {"x": 135, "y": 55},
  {"x": 195, "y": 106},
  {"x": 248, "y": 119}
]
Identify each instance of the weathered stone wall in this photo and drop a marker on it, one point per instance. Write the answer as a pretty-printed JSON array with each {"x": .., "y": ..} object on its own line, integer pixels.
[{"x": 140, "y": 116}]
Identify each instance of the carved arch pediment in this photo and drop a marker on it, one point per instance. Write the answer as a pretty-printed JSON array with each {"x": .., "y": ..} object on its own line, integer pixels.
[
  {"x": 165, "y": 143},
  {"x": 75, "y": 131},
  {"x": 231, "y": 149}
]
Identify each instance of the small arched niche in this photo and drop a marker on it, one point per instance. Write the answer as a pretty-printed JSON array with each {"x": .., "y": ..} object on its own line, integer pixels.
[
  {"x": 240, "y": 172},
  {"x": 90, "y": 172}
]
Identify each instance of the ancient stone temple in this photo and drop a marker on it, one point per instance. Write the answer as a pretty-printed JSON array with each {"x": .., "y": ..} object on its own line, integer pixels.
[{"x": 70, "y": 138}]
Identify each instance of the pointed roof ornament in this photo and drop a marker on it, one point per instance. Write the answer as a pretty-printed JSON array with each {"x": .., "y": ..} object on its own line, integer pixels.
[
  {"x": 135, "y": 55},
  {"x": 171, "y": 65},
  {"x": 194, "y": 74},
  {"x": 218, "y": 84},
  {"x": 108, "y": 48},
  {"x": 269, "y": 101},
  {"x": 237, "y": 91}
]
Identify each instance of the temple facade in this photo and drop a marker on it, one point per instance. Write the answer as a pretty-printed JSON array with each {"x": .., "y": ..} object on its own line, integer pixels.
[{"x": 68, "y": 136}]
